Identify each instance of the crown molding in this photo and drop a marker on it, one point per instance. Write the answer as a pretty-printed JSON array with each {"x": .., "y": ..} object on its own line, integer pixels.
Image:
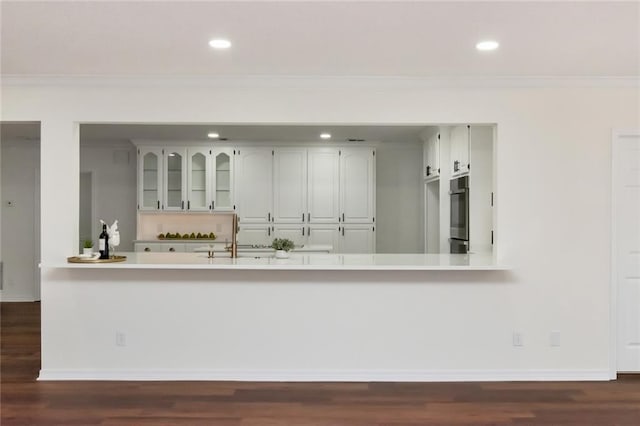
[{"x": 340, "y": 82}]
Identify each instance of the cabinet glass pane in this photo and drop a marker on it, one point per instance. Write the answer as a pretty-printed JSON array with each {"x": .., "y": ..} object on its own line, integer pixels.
[
  {"x": 223, "y": 181},
  {"x": 150, "y": 194},
  {"x": 174, "y": 180},
  {"x": 198, "y": 189}
]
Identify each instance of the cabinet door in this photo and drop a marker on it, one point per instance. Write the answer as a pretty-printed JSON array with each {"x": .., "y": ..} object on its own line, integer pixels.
[
  {"x": 254, "y": 184},
  {"x": 290, "y": 185},
  {"x": 432, "y": 157},
  {"x": 175, "y": 182},
  {"x": 357, "y": 185},
  {"x": 295, "y": 232},
  {"x": 198, "y": 179},
  {"x": 324, "y": 234},
  {"x": 357, "y": 238},
  {"x": 261, "y": 234},
  {"x": 149, "y": 178},
  {"x": 323, "y": 185},
  {"x": 223, "y": 185},
  {"x": 459, "y": 161}
]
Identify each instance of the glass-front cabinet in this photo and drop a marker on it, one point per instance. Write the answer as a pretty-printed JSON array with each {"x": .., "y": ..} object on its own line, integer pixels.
[
  {"x": 222, "y": 182},
  {"x": 197, "y": 179},
  {"x": 199, "y": 176},
  {"x": 150, "y": 178},
  {"x": 174, "y": 178}
]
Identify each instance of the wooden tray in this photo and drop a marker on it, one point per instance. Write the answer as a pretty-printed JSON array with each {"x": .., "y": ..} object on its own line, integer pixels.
[{"x": 112, "y": 259}]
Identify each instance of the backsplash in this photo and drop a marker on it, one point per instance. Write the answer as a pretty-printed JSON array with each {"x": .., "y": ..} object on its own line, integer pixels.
[{"x": 152, "y": 224}]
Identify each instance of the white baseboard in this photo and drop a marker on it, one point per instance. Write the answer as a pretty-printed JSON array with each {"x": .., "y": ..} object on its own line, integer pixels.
[
  {"x": 329, "y": 375},
  {"x": 16, "y": 298}
]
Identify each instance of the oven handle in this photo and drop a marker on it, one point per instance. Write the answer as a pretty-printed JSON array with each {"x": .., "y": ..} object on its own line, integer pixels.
[{"x": 463, "y": 242}]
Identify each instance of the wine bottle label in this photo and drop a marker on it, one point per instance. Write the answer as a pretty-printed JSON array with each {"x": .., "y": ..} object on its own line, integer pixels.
[{"x": 101, "y": 244}]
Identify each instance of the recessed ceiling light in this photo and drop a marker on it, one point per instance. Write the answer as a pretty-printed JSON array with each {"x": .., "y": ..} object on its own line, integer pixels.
[
  {"x": 213, "y": 135},
  {"x": 325, "y": 135},
  {"x": 487, "y": 45},
  {"x": 220, "y": 43}
]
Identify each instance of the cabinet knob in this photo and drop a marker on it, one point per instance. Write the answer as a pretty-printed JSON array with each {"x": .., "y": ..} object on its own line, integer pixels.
[
  {"x": 147, "y": 249},
  {"x": 172, "y": 249}
]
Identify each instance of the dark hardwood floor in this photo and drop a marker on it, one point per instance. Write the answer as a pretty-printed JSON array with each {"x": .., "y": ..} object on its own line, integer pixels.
[{"x": 24, "y": 401}]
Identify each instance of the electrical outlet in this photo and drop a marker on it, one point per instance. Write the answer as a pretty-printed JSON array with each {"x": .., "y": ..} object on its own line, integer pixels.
[
  {"x": 554, "y": 338},
  {"x": 518, "y": 340},
  {"x": 120, "y": 339}
]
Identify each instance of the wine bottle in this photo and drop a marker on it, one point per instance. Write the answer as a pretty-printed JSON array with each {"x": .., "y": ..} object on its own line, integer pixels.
[{"x": 103, "y": 243}]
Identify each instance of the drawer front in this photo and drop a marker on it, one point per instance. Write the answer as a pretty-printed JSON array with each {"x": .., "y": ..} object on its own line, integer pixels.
[{"x": 159, "y": 247}]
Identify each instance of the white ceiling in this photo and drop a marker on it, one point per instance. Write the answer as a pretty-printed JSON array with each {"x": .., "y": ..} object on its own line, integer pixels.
[{"x": 319, "y": 38}]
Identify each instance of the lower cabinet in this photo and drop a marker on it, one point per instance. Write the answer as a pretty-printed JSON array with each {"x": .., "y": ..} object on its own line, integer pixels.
[
  {"x": 255, "y": 234},
  {"x": 159, "y": 247},
  {"x": 357, "y": 238}
]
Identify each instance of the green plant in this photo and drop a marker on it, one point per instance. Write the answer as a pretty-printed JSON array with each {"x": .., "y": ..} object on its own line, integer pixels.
[
  {"x": 87, "y": 244},
  {"x": 282, "y": 244}
]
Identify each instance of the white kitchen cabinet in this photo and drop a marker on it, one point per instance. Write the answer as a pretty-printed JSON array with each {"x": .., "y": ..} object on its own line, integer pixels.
[
  {"x": 431, "y": 163},
  {"x": 290, "y": 185},
  {"x": 295, "y": 232},
  {"x": 222, "y": 184},
  {"x": 175, "y": 182},
  {"x": 150, "y": 178},
  {"x": 459, "y": 157},
  {"x": 357, "y": 238},
  {"x": 167, "y": 247},
  {"x": 323, "y": 185},
  {"x": 198, "y": 179},
  {"x": 254, "y": 184},
  {"x": 357, "y": 185},
  {"x": 255, "y": 234},
  {"x": 324, "y": 234}
]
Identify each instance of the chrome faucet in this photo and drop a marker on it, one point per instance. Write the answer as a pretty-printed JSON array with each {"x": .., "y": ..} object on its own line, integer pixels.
[{"x": 233, "y": 248}]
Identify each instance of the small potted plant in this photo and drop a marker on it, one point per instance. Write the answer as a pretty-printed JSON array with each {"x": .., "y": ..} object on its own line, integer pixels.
[
  {"x": 282, "y": 247},
  {"x": 87, "y": 247}
]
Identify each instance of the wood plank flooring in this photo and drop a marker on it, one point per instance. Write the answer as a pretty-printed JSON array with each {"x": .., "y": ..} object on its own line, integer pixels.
[{"x": 24, "y": 401}]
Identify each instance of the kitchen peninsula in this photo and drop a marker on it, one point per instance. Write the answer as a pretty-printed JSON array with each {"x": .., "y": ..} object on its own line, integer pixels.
[{"x": 183, "y": 316}]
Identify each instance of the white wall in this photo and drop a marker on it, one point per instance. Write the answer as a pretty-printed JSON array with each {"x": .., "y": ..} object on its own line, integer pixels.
[
  {"x": 114, "y": 183},
  {"x": 399, "y": 198},
  {"x": 557, "y": 241},
  {"x": 20, "y": 232}
]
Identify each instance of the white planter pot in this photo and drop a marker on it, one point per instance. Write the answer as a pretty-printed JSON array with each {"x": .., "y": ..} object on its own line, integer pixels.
[
  {"x": 88, "y": 251},
  {"x": 281, "y": 254}
]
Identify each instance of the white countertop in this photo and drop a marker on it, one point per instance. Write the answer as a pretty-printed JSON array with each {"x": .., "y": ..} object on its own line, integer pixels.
[{"x": 298, "y": 261}]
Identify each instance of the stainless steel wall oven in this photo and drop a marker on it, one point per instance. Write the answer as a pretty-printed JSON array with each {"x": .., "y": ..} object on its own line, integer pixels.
[{"x": 459, "y": 232}]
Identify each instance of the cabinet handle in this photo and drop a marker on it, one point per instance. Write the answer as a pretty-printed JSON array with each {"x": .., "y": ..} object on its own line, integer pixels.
[
  {"x": 172, "y": 249},
  {"x": 428, "y": 170},
  {"x": 456, "y": 166},
  {"x": 213, "y": 205},
  {"x": 268, "y": 217},
  {"x": 182, "y": 204},
  {"x": 302, "y": 217},
  {"x": 158, "y": 204},
  {"x": 269, "y": 231},
  {"x": 343, "y": 231},
  {"x": 147, "y": 249},
  {"x": 308, "y": 231},
  {"x": 343, "y": 217},
  {"x": 189, "y": 205},
  {"x": 308, "y": 217},
  {"x": 303, "y": 231}
]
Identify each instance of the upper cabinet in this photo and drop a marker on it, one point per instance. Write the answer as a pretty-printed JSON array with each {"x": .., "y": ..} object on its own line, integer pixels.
[
  {"x": 198, "y": 178},
  {"x": 431, "y": 163},
  {"x": 290, "y": 184},
  {"x": 357, "y": 185},
  {"x": 175, "y": 182},
  {"x": 254, "y": 184},
  {"x": 149, "y": 178},
  {"x": 323, "y": 185},
  {"x": 223, "y": 180},
  {"x": 459, "y": 160}
]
